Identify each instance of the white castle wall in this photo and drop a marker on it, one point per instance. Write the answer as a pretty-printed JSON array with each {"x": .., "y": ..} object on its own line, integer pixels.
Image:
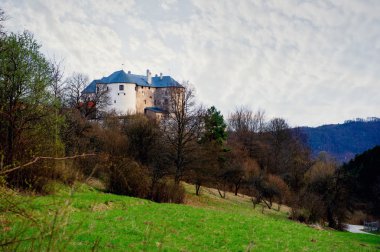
[{"x": 122, "y": 101}]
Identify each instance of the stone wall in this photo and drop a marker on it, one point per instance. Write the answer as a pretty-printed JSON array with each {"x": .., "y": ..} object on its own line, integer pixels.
[
  {"x": 152, "y": 97},
  {"x": 144, "y": 98},
  {"x": 162, "y": 98}
]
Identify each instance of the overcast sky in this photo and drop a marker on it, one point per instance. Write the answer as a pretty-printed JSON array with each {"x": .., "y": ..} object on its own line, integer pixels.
[{"x": 311, "y": 62}]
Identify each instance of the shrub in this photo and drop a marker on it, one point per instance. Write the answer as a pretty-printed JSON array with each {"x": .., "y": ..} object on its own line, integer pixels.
[
  {"x": 280, "y": 187},
  {"x": 168, "y": 191},
  {"x": 268, "y": 189},
  {"x": 127, "y": 177},
  {"x": 38, "y": 176}
]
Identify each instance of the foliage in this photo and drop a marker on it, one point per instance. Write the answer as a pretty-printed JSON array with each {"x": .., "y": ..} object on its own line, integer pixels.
[
  {"x": 25, "y": 103},
  {"x": 337, "y": 139},
  {"x": 167, "y": 190},
  {"x": 215, "y": 127},
  {"x": 126, "y": 177},
  {"x": 29, "y": 120},
  {"x": 3, "y": 18},
  {"x": 269, "y": 188},
  {"x": 325, "y": 195},
  {"x": 364, "y": 180},
  {"x": 143, "y": 139}
]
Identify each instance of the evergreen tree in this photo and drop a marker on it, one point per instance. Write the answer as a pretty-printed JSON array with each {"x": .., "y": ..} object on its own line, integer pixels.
[{"x": 215, "y": 127}]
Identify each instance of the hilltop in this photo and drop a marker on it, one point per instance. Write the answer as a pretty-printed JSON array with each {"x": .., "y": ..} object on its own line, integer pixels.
[{"x": 346, "y": 140}]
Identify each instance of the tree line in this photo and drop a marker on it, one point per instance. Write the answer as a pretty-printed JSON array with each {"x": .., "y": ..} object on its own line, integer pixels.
[{"x": 43, "y": 114}]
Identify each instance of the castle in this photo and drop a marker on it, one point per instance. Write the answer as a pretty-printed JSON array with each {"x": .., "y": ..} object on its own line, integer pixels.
[{"x": 130, "y": 93}]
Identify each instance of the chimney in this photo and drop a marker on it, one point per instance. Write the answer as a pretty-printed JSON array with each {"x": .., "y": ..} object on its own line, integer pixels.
[
  {"x": 129, "y": 72},
  {"x": 148, "y": 76},
  {"x": 160, "y": 76},
  {"x": 156, "y": 75}
]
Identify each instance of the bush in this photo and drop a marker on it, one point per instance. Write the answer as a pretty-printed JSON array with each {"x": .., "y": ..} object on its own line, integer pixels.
[
  {"x": 127, "y": 177},
  {"x": 37, "y": 177},
  {"x": 268, "y": 189},
  {"x": 280, "y": 187},
  {"x": 168, "y": 191},
  {"x": 315, "y": 208}
]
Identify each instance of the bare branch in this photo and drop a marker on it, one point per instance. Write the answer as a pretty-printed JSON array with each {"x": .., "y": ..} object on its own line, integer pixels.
[{"x": 50, "y": 158}]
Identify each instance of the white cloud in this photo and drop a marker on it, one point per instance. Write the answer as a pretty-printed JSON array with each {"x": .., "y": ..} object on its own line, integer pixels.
[{"x": 312, "y": 62}]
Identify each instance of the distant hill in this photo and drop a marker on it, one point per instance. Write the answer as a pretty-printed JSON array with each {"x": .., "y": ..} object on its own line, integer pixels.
[{"x": 346, "y": 140}]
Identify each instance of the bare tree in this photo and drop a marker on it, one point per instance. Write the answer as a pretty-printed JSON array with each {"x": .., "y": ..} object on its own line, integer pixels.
[
  {"x": 182, "y": 128},
  {"x": 91, "y": 105},
  {"x": 243, "y": 120},
  {"x": 57, "y": 84},
  {"x": 279, "y": 137},
  {"x": 75, "y": 84},
  {"x": 95, "y": 104},
  {"x": 259, "y": 121},
  {"x": 247, "y": 128},
  {"x": 3, "y": 18}
]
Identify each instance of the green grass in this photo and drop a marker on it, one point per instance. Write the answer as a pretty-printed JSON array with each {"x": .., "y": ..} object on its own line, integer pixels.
[{"x": 106, "y": 222}]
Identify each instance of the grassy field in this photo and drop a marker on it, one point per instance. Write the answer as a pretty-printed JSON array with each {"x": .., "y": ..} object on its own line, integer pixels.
[{"x": 89, "y": 220}]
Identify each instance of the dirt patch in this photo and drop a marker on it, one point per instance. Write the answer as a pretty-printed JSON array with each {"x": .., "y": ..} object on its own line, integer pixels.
[
  {"x": 96, "y": 183},
  {"x": 101, "y": 207}
]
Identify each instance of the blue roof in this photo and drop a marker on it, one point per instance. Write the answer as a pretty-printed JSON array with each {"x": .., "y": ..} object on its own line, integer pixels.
[
  {"x": 140, "y": 80},
  {"x": 156, "y": 109},
  {"x": 91, "y": 88}
]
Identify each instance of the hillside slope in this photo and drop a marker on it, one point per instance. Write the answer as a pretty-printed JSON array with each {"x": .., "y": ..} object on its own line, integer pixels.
[
  {"x": 99, "y": 221},
  {"x": 364, "y": 174},
  {"x": 346, "y": 140}
]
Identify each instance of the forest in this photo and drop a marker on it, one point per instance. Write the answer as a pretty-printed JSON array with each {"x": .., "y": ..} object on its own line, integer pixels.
[{"x": 50, "y": 132}]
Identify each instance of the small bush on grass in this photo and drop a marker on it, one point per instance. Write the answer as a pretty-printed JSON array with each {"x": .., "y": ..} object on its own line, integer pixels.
[
  {"x": 127, "y": 177},
  {"x": 308, "y": 208},
  {"x": 37, "y": 177},
  {"x": 168, "y": 191}
]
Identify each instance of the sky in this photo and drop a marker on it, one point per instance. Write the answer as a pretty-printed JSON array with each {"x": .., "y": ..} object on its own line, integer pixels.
[{"x": 311, "y": 62}]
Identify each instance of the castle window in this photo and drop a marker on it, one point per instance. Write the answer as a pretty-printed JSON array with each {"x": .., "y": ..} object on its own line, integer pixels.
[
  {"x": 149, "y": 88},
  {"x": 114, "y": 101},
  {"x": 121, "y": 87},
  {"x": 145, "y": 101},
  {"x": 166, "y": 101},
  {"x": 107, "y": 88},
  {"x": 117, "y": 93}
]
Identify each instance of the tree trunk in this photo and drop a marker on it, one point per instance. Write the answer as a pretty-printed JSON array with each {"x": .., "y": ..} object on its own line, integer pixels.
[
  {"x": 254, "y": 202},
  {"x": 177, "y": 177},
  {"x": 9, "y": 147},
  {"x": 222, "y": 195},
  {"x": 197, "y": 189},
  {"x": 269, "y": 205},
  {"x": 330, "y": 219},
  {"x": 237, "y": 187}
]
